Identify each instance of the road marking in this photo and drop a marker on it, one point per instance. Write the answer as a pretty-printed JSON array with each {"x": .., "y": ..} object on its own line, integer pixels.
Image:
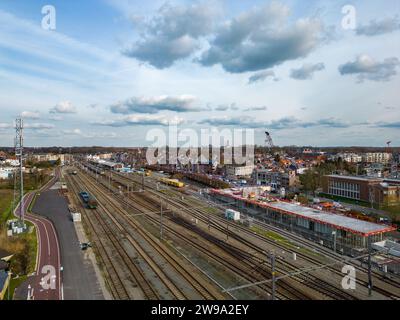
[
  {"x": 41, "y": 222},
  {"x": 47, "y": 235},
  {"x": 58, "y": 261}
]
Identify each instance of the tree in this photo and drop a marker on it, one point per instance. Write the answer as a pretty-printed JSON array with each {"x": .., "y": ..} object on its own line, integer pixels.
[{"x": 309, "y": 181}]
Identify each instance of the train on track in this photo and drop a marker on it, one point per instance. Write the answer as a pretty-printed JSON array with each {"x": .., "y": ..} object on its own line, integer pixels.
[
  {"x": 89, "y": 200},
  {"x": 95, "y": 169},
  {"x": 173, "y": 182}
]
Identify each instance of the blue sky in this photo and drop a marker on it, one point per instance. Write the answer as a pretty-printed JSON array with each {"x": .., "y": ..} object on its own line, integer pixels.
[{"x": 115, "y": 69}]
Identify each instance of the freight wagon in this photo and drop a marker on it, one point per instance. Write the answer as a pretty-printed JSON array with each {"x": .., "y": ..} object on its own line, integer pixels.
[{"x": 173, "y": 182}]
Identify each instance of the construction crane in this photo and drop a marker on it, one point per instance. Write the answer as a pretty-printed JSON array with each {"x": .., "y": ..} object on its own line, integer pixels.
[
  {"x": 393, "y": 162},
  {"x": 268, "y": 141},
  {"x": 388, "y": 146}
]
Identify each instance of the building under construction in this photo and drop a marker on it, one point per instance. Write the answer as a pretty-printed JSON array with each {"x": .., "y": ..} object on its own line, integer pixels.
[{"x": 346, "y": 234}]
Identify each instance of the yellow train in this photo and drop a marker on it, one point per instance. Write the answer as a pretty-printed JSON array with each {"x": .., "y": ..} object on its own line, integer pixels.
[{"x": 173, "y": 182}]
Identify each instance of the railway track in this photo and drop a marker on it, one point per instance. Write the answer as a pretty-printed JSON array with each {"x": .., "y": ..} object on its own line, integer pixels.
[
  {"x": 102, "y": 241},
  {"x": 250, "y": 264},
  {"x": 205, "y": 291},
  {"x": 323, "y": 288},
  {"x": 335, "y": 292},
  {"x": 233, "y": 259},
  {"x": 393, "y": 292}
]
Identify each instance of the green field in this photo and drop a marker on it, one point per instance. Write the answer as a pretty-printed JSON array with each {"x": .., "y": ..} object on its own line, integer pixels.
[
  {"x": 6, "y": 198},
  {"x": 15, "y": 283},
  {"x": 24, "y": 246}
]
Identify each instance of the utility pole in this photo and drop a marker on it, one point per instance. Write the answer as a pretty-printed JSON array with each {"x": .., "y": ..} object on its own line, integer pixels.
[
  {"x": 19, "y": 145},
  {"x": 143, "y": 181},
  {"x": 161, "y": 219},
  {"x": 273, "y": 275},
  {"x": 369, "y": 267},
  {"x": 334, "y": 241},
  {"x": 227, "y": 229}
]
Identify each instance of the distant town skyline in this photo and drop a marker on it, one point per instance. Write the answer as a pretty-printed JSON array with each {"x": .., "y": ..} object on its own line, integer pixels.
[{"x": 114, "y": 69}]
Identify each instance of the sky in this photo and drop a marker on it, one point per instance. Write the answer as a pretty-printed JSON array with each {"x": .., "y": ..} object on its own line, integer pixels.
[{"x": 108, "y": 72}]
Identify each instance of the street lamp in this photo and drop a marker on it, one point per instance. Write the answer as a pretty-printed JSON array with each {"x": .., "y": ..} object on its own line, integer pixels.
[{"x": 334, "y": 240}]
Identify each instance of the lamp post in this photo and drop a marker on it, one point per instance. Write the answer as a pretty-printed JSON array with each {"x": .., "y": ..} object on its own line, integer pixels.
[
  {"x": 273, "y": 275},
  {"x": 161, "y": 219},
  {"x": 334, "y": 241},
  {"x": 369, "y": 267}
]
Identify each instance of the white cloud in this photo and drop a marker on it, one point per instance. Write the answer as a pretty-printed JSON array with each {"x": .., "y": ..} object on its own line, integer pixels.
[
  {"x": 5, "y": 125},
  {"x": 56, "y": 118},
  {"x": 77, "y": 132},
  {"x": 262, "y": 75},
  {"x": 306, "y": 71},
  {"x": 173, "y": 34},
  {"x": 183, "y": 103},
  {"x": 39, "y": 126},
  {"x": 143, "y": 120},
  {"x": 379, "y": 27},
  {"x": 366, "y": 68},
  {"x": 30, "y": 115},
  {"x": 63, "y": 107},
  {"x": 263, "y": 38}
]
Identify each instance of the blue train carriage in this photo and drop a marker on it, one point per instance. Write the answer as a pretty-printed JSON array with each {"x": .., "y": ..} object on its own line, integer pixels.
[
  {"x": 90, "y": 201},
  {"x": 85, "y": 196}
]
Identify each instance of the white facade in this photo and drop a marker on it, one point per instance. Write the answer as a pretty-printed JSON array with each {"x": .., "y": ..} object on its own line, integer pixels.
[
  {"x": 349, "y": 157},
  {"x": 10, "y": 162},
  {"x": 377, "y": 157},
  {"x": 7, "y": 172},
  {"x": 47, "y": 157},
  {"x": 239, "y": 170},
  {"x": 103, "y": 156}
]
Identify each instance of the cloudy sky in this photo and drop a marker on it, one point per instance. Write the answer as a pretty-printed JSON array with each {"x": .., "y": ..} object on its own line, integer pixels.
[{"x": 311, "y": 72}]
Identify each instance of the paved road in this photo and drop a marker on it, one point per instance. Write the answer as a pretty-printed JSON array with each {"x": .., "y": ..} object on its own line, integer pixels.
[
  {"x": 79, "y": 278},
  {"x": 46, "y": 283}
]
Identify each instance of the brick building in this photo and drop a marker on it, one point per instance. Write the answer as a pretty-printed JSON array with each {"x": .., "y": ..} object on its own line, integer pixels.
[{"x": 377, "y": 190}]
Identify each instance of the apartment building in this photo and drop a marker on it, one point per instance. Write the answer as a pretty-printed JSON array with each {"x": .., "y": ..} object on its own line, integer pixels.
[
  {"x": 377, "y": 157},
  {"x": 47, "y": 157},
  {"x": 239, "y": 171},
  {"x": 386, "y": 194},
  {"x": 349, "y": 157},
  {"x": 275, "y": 179}
]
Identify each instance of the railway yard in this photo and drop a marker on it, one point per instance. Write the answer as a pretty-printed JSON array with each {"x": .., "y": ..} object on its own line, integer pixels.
[{"x": 156, "y": 241}]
